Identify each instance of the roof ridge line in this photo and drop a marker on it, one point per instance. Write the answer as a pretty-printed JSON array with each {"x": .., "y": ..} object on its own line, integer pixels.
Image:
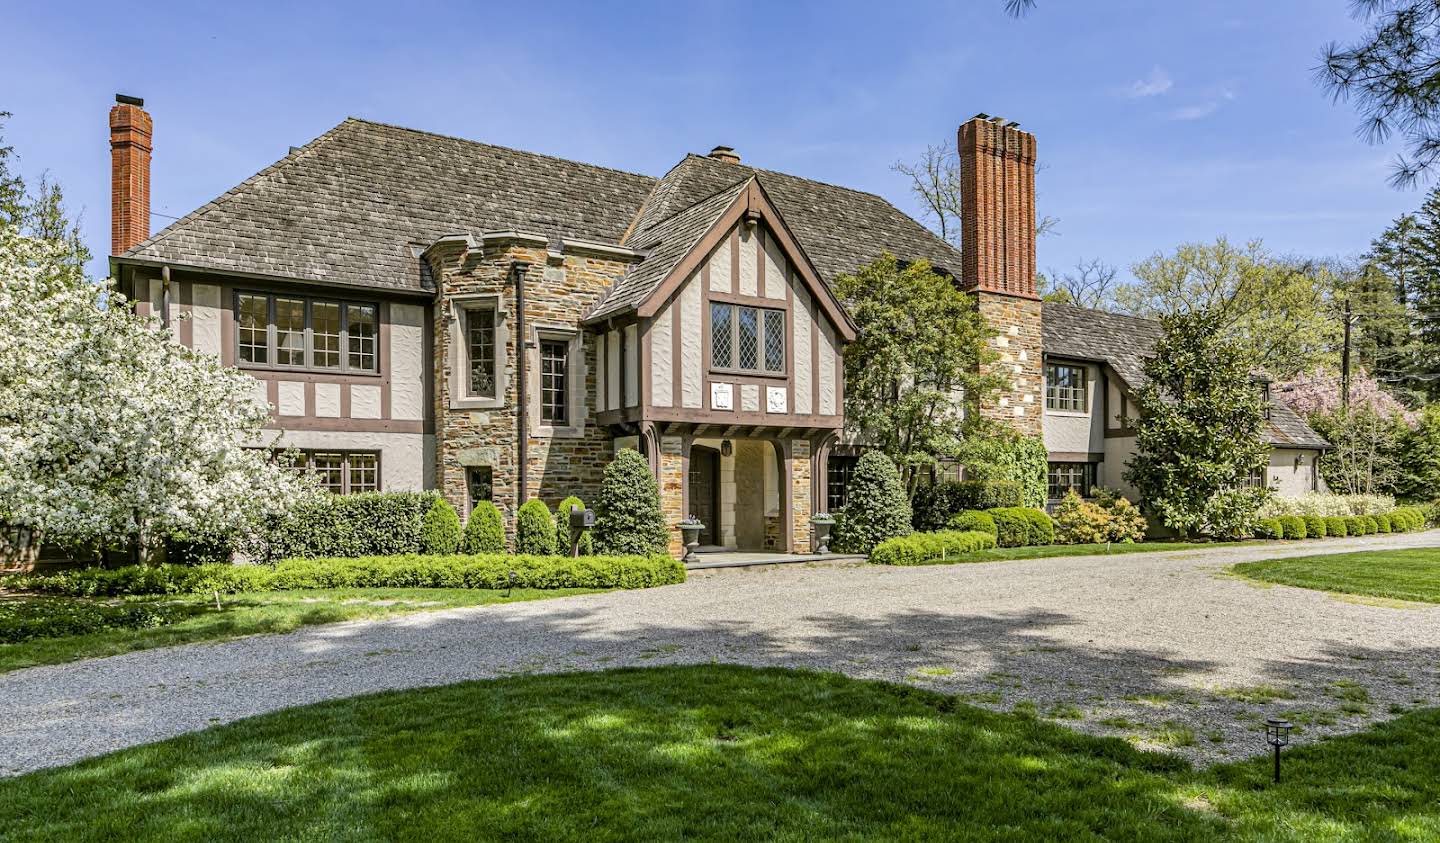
[{"x": 697, "y": 203}]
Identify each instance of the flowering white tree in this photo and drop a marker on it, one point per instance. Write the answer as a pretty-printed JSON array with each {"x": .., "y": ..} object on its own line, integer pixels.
[{"x": 111, "y": 429}]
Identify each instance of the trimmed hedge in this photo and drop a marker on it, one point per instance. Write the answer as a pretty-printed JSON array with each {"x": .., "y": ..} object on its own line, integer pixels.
[
  {"x": 562, "y": 529},
  {"x": 1269, "y": 528},
  {"x": 927, "y": 548},
  {"x": 30, "y": 620},
  {"x": 1337, "y": 526},
  {"x": 485, "y": 531},
  {"x": 972, "y": 521},
  {"x": 1315, "y": 527},
  {"x": 1018, "y": 526},
  {"x": 1292, "y": 526},
  {"x": 1371, "y": 525},
  {"x": 1356, "y": 525},
  {"x": 935, "y": 504},
  {"x": 535, "y": 529},
  {"x": 369, "y": 524},
  {"x": 408, "y": 571},
  {"x": 1384, "y": 522}
]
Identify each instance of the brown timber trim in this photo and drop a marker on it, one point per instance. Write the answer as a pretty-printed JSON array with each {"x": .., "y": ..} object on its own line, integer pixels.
[
  {"x": 272, "y": 397},
  {"x": 746, "y": 301},
  {"x": 185, "y": 306},
  {"x": 279, "y": 283},
  {"x": 228, "y": 339},
  {"x": 1077, "y": 456},
  {"x": 677, "y": 347},
  {"x": 643, "y": 362},
  {"x": 816, "y": 337},
  {"x": 382, "y": 357},
  {"x": 759, "y": 261},
  {"x": 344, "y": 400},
  {"x": 307, "y": 375},
  {"x": 1119, "y": 432},
  {"x": 350, "y": 425},
  {"x": 732, "y": 238},
  {"x": 725, "y": 418},
  {"x": 310, "y": 400}
]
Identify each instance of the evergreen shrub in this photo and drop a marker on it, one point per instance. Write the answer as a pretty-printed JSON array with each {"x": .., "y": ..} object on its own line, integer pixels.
[
  {"x": 876, "y": 507},
  {"x": 534, "y": 529},
  {"x": 485, "y": 531},
  {"x": 440, "y": 530},
  {"x": 628, "y": 519}
]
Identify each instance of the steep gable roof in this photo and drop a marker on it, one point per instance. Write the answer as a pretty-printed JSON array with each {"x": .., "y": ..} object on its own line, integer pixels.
[
  {"x": 1124, "y": 342},
  {"x": 351, "y": 206},
  {"x": 841, "y": 229}
]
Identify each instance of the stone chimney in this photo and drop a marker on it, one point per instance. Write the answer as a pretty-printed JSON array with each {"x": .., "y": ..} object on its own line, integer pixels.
[
  {"x": 997, "y": 261},
  {"x": 726, "y": 154},
  {"x": 130, "y": 131}
]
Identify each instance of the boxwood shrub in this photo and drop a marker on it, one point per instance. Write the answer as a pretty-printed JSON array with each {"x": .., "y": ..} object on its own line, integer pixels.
[
  {"x": 29, "y": 620},
  {"x": 929, "y": 548},
  {"x": 535, "y": 529},
  {"x": 1337, "y": 526},
  {"x": 935, "y": 504},
  {"x": 1314, "y": 527},
  {"x": 1356, "y": 525},
  {"x": 1384, "y": 523},
  {"x": 484, "y": 531},
  {"x": 1292, "y": 526},
  {"x": 1371, "y": 525},
  {"x": 972, "y": 520},
  {"x": 1269, "y": 528},
  {"x": 1019, "y": 526},
  {"x": 440, "y": 529},
  {"x": 407, "y": 571}
]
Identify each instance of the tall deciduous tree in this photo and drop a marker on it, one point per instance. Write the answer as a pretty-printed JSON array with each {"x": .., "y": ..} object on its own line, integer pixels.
[
  {"x": 915, "y": 364},
  {"x": 935, "y": 181},
  {"x": 1197, "y": 437},
  {"x": 1277, "y": 309},
  {"x": 1090, "y": 284},
  {"x": 1365, "y": 459}
]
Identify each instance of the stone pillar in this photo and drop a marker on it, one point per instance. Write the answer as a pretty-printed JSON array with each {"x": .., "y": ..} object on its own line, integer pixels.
[
  {"x": 673, "y": 469},
  {"x": 800, "y": 497},
  {"x": 1017, "y": 323}
]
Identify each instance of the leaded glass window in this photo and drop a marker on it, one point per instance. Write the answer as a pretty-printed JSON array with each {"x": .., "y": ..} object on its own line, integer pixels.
[
  {"x": 774, "y": 341},
  {"x": 722, "y": 342},
  {"x": 481, "y": 348},
  {"x": 747, "y": 338}
]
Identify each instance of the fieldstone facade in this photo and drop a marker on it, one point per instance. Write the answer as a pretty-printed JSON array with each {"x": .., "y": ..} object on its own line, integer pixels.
[
  {"x": 1018, "y": 340},
  {"x": 561, "y": 284}
]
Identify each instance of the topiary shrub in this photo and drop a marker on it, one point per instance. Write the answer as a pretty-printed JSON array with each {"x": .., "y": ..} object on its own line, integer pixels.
[
  {"x": 534, "y": 529},
  {"x": 1355, "y": 525},
  {"x": 440, "y": 530},
  {"x": 930, "y": 548},
  {"x": 876, "y": 507},
  {"x": 562, "y": 529},
  {"x": 971, "y": 521},
  {"x": 1269, "y": 528},
  {"x": 485, "y": 531},
  {"x": 1042, "y": 527},
  {"x": 1371, "y": 525},
  {"x": 628, "y": 518},
  {"x": 1292, "y": 526},
  {"x": 1383, "y": 523},
  {"x": 1315, "y": 527},
  {"x": 1337, "y": 527}
]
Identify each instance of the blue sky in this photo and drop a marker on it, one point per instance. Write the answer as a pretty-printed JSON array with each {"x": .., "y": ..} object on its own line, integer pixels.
[{"x": 1158, "y": 123}]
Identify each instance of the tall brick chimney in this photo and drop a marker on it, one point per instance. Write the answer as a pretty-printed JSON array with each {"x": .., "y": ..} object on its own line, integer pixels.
[
  {"x": 130, "y": 132},
  {"x": 997, "y": 260}
]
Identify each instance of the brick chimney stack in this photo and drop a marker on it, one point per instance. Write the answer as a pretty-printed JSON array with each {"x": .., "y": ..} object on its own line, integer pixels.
[
  {"x": 997, "y": 262},
  {"x": 130, "y": 133},
  {"x": 997, "y": 216}
]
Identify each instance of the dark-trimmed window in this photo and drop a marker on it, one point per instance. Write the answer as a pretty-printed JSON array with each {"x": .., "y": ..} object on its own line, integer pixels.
[
  {"x": 480, "y": 352},
  {"x": 303, "y": 333},
  {"x": 340, "y": 472},
  {"x": 838, "y": 471},
  {"x": 1064, "y": 476},
  {"x": 1065, "y": 388},
  {"x": 747, "y": 339},
  {"x": 554, "y": 364}
]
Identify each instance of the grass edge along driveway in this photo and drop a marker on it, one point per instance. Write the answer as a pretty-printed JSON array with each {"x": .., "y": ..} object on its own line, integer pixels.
[
  {"x": 711, "y": 751},
  {"x": 1411, "y": 574}
]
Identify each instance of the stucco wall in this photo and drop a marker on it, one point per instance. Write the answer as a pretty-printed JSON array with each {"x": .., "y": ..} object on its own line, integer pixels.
[
  {"x": 407, "y": 460},
  {"x": 1291, "y": 472},
  {"x": 1072, "y": 432}
]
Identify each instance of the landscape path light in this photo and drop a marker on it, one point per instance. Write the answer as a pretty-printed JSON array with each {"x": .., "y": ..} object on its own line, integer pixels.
[{"x": 1277, "y": 734}]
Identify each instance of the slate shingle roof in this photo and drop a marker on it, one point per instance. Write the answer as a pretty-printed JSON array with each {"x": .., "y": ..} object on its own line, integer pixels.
[
  {"x": 350, "y": 206},
  {"x": 1123, "y": 342},
  {"x": 667, "y": 241}
]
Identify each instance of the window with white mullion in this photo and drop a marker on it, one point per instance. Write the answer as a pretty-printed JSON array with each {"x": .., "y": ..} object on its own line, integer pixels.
[
  {"x": 1065, "y": 388},
  {"x": 301, "y": 333}
]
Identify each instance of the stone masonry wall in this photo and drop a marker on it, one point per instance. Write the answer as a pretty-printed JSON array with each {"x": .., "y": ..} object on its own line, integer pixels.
[
  {"x": 558, "y": 291},
  {"x": 1018, "y": 341},
  {"x": 672, "y": 489},
  {"x": 800, "y": 505}
]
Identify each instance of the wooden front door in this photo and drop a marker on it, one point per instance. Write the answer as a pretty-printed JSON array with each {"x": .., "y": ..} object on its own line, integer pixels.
[{"x": 704, "y": 491}]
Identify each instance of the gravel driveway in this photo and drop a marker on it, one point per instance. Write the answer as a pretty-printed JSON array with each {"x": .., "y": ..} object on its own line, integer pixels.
[{"x": 1163, "y": 648}]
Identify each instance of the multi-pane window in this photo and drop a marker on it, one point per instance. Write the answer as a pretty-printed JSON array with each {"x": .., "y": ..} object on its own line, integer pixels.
[
  {"x": 554, "y": 359},
  {"x": 480, "y": 347},
  {"x": 1265, "y": 398},
  {"x": 340, "y": 472},
  {"x": 1065, "y": 476},
  {"x": 305, "y": 333},
  {"x": 838, "y": 471},
  {"x": 1255, "y": 479},
  {"x": 253, "y": 321},
  {"x": 480, "y": 480},
  {"x": 750, "y": 339},
  {"x": 1065, "y": 388}
]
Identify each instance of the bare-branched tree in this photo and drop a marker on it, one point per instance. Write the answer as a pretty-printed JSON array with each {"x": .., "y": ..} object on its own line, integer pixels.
[{"x": 1090, "y": 284}]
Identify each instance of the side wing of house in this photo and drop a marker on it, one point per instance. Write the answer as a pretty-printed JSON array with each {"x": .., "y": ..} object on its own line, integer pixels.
[{"x": 344, "y": 372}]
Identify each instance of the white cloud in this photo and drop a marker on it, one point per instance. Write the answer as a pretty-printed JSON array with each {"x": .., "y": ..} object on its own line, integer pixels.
[
  {"x": 1201, "y": 110},
  {"x": 1157, "y": 83}
]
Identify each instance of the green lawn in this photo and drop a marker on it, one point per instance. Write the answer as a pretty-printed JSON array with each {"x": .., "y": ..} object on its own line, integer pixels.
[
  {"x": 1396, "y": 574},
  {"x": 1002, "y": 554},
  {"x": 251, "y": 613},
  {"x": 712, "y": 752}
]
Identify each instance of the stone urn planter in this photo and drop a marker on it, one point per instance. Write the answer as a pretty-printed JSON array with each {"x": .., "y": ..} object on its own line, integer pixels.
[
  {"x": 821, "y": 523},
  {"x": 690, "y": 532}
]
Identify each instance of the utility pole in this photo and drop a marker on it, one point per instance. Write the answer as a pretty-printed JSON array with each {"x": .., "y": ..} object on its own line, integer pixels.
[{"x": 1345, "y": 361}]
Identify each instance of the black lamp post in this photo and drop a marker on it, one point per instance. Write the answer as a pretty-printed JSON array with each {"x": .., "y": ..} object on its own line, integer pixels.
[{"x": 1277, "y": 734}]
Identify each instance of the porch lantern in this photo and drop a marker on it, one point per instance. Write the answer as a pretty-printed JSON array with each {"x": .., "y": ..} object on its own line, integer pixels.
[
  {"x": 1277, "y": 734},
  {"x": 726, "y": 448}
]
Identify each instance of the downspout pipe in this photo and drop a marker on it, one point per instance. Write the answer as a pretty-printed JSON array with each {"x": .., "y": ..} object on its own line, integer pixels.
[
  {"x": 522, "y": 386},
  {"x": 164, "y": 296}
]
